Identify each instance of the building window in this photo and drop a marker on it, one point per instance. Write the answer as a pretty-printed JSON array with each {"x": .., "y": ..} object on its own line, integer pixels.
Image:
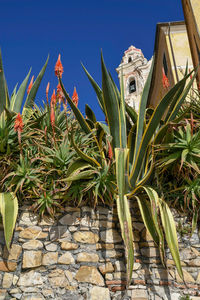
[
  {"x": 165, "y": 64},
  {"x": 132, "y": 86},
  {"x": 129, "y": 59}
]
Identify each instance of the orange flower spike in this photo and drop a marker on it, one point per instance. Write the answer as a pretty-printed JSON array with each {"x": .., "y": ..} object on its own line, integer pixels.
[
  {"x": 75, "y": 97},
  {"x": 53, "y": 98},
  {"x": 47, "y": 91},
  {"x": 165, "y": 80},
  {"x": 110, "y": 152},
  {"x": 60, "y": 94},
  {"x": 52, "y": 117},
  {"x": 59, "y": 68},
  {"x": 18, "y": 123},
  {"x": 59, "y": 89},
  {"x": 30, "y": 85}
]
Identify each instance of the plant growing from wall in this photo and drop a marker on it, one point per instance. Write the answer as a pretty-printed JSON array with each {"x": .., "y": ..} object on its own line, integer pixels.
[
  {"x": 9, "y": 106},
  {"x": 49, "y": 160},
  {"x": 132, "y": 144}
]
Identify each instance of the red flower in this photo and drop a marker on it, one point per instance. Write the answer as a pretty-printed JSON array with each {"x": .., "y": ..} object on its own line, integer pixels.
[
  {"x": 53, "y": 98},
  {"x": 47, "y": 89},
  {"x": 59, "y": 68},
  {"x": 165, "y": 80},
  {"x": 52, "y": 117},
  {"x": 18, "y": 123},
  {"x": 47, "y": 92},
  {"x": 30, "y": 85},
  {"x": 110, "y": 152},
  {"x": 75, "y": 97},
  {"x": 59, "y": 93}
]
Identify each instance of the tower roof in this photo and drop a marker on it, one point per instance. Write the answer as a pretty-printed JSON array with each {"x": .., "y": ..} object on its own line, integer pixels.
[{"x": 132, "y": 48}]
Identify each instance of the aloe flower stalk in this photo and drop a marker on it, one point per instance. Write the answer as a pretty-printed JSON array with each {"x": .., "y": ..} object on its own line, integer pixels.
[
  {"x": 52, "y": 117},
  {"x": 59, "y": 94},
  {"x": 18, "y": 127},
  {"x": 30, "y": 85},
  {"x": 52, "y": 113},
  {"x": 61, "y": 97},
  {"x": 53, "y": 99},
  {"x": 45, "y": 134},
  {"x": 59, "y": 68},
  {"x": 75, "y": 97},
  {"x": 110, "y": 152},
  {"x": 47, "y": 92}
]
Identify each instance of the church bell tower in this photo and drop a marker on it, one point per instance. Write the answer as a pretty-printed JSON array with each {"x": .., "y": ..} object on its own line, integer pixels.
[{"x": 135, "y": 72}]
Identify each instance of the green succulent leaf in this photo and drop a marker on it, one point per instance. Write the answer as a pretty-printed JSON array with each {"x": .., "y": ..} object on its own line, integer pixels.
[
  {"x": 170, "y": 234},
  {"x": 76, "y": 166},
  {"x": 88, "y": 174},
  {"x": 111, "y": 105},
  {"x": 150, "y": 131},
  {"x": 97, "y": 89},
  {"x": 84, "y": 156},
  {"x": 84, "y": 125},
  {"x": 16, "y": 102},
  {"x": 9, "y": 212},
  {"x": 141, "y": 113},
  {"x": 4, "y": 97},
  {"x": 90, "y": 114},
  {"x": 32, "y": 94},
  {"x": 124, "y": 210}
]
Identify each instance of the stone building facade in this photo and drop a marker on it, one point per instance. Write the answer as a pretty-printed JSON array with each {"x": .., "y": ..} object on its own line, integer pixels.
[{"x": 135, "y": 69}]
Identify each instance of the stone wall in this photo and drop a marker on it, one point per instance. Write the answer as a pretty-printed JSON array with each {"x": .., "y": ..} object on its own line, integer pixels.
[{"x": 81, "y": 256}]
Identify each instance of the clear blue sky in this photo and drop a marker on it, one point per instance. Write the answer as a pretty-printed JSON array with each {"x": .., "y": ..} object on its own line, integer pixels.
[{"x": 78, "y": 30}]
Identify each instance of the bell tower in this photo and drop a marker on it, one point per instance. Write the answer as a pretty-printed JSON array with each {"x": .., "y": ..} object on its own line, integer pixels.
[{"x": 135, "y": 72}]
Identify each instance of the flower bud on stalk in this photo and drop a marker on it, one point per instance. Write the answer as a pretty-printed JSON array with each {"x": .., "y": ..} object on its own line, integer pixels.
[
  {"x": 75, "y": 97},
  {"x": 60, "y": 95},
  {"x": 52, "y": 113},
  {"x": 47, "y": 92},
  {"x": 110, "y": 152},
  {"x": 53, "y": 99},
  {"x": 18, "y": 127},
  {"x": 30, "y": 85},
  {"x": 59, "y": 68}
]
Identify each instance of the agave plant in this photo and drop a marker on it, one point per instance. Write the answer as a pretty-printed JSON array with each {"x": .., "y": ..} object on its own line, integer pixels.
[
  {"x": 133, "y": 144},
  {"x": 9, "y": 212}
]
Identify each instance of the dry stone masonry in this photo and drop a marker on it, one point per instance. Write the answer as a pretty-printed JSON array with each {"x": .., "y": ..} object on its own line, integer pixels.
[{"x": 81, "y": 256}]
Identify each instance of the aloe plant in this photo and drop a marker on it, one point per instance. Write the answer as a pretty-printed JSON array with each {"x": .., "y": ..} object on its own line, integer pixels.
[
  {"x": 179, "y": 157},
  {"x": 14, "y": 103},
  {"x": 133, "y": 145},
  {"x": 9, "y": 106}
]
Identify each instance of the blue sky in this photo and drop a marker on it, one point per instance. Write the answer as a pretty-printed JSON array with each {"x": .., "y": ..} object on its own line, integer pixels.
[{"x": 78, "y": 30}]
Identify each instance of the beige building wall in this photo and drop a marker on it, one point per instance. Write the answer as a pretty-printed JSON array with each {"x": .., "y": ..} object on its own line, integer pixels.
[
  {"x": 178, "y": 45},
  {"x": 191, "y": 9},
  {"x": 195, "y": 4},
  {"x": 171, "y": 39}
]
